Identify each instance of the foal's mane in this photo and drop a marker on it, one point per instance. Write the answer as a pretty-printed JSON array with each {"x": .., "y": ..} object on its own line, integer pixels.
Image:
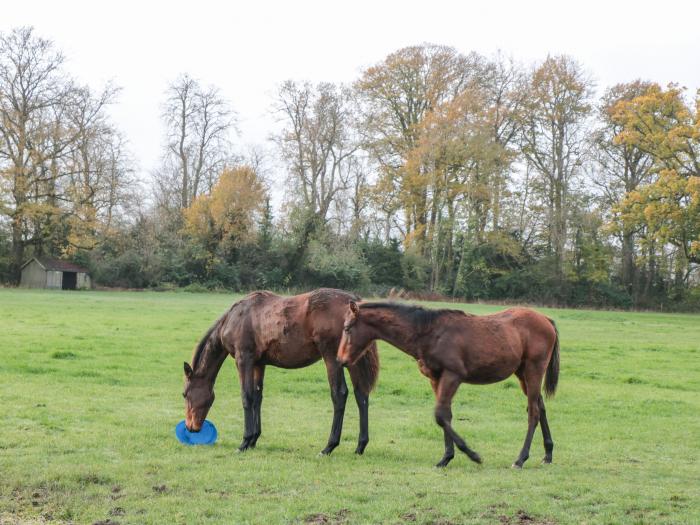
[{"x": 421, "y": 318}]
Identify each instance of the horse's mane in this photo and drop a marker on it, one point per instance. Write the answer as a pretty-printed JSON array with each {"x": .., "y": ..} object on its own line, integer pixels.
[
  {"x": 201, "y": 347},
  {"x": 203, "y": 344},
  {"x": 421, "y": 318}
]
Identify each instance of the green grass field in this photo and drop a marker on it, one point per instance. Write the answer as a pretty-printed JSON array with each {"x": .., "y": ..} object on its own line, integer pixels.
[{"x": 90, "y": 391}]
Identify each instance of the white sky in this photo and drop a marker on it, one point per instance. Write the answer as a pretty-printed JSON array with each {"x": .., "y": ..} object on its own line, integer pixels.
[{"x": 248, "y": 48}]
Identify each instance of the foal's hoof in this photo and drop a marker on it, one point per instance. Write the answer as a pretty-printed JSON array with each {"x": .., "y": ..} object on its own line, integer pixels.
[
  {"x": 444, "y": 462},
  {"x": 476, "y": 458}
]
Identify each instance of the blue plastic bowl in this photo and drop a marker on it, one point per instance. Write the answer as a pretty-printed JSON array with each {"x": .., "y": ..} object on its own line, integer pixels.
[{"x": 206, "y": 435}]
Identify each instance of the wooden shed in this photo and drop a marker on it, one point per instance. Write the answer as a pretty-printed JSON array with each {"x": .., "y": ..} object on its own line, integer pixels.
[{"x": 43, "y": 272}]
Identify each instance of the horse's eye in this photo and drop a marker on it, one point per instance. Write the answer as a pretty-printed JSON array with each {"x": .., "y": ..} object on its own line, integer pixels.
[{"x": 346, "y": 329}]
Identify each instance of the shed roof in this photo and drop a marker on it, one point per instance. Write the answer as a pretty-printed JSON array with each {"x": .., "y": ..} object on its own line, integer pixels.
[{"x": 56, "y": 265}]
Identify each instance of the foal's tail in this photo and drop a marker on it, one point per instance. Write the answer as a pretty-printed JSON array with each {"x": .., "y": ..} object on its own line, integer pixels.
[
  {"x": 552, "y": 377},
  {"x": 367, "y": 367}
]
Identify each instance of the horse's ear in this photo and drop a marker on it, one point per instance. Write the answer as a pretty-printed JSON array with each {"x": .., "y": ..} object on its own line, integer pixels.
[
  {"x": 354, "y": 308},
  {"x": 188, "y": 370}
]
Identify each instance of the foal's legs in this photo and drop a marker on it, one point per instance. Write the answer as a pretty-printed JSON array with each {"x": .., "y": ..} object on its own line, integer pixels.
[
  {"x": 339, "y": 394},
  {"x": 362, "y": 400},
  {"x": 449, "y": 444},
  {"x": 532, "y": 380},
  {"x": 447, "y": 387},
  {"x": 546, "y": 434},
  {"x": 258, "y": 378}
]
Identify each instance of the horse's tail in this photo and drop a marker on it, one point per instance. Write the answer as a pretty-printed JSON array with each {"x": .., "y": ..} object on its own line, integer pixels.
[
  {"x": 552, "y": 377},
  {"x": 367, "y": 367}
]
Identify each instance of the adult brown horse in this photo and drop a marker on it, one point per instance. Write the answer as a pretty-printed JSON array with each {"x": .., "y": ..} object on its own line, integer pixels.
[
  {"x": 287, "y": 332},
  {"x": 453, "y": 347}
]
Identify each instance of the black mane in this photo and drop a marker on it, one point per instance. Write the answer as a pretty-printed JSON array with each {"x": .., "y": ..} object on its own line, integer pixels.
[
  {"x": 203, "y": 344},
  {"x": 418, "y": 316}
]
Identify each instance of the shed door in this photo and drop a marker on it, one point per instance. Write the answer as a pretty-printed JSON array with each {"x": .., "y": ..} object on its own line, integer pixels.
[{"x": 69, "y": 280}]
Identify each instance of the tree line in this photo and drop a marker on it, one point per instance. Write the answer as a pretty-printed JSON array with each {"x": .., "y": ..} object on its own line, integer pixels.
[{"x": 434, "y": 172}]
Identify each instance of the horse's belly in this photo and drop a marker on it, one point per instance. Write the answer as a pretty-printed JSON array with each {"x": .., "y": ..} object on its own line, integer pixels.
[
  {"x": 491, "y": 371},
  {"x": 285, "y": 356}
]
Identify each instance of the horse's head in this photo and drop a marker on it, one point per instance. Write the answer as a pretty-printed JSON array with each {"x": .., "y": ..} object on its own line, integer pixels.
[
  {"x": 199, "y": 396},
  {"x": 356, "y": 336}
]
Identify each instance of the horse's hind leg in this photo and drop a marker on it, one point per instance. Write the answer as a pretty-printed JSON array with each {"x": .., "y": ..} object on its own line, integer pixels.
[
  {"x": 362, "y": 399},
  {"x": 258, "y": 378},
  {"x": 339, "y": 394},
  {"x": 447, "y": 387},
  {"x": 546, "y": 434},
  {"x": 532, "y": 379}
]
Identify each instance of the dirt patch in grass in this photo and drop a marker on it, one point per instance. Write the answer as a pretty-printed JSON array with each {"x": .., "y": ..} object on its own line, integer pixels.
[
  {"x": 320, "y": 518},
  {"x": 93, "y": 479},
  {"x": 522, "y": 517}
]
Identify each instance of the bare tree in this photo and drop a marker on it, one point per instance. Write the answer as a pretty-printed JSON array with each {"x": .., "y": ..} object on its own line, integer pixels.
[
  {"x": 198, "y": 127},
  {"x": 316, "y": 142},
  {"x": 553, "y": 138}
]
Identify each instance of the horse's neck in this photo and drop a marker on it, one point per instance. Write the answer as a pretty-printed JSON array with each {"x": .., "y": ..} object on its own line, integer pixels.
[
  {"x": 210, "y": 361},
  {"x": 391, "y": 327}
]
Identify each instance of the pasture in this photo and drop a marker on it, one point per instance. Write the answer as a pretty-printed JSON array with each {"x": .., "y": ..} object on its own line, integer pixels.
[{"x": 90, "y": 391}]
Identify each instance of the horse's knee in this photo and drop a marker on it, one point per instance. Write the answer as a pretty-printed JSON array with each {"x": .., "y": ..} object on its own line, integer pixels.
[
  {"x": 340, "y": 395},
  {"x": 248, "y": 401},
  {"x": 443, "y": 415}
]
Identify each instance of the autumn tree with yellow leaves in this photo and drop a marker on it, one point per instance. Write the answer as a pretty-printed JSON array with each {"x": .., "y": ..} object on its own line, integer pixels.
[{"x": 663, "y": 124}]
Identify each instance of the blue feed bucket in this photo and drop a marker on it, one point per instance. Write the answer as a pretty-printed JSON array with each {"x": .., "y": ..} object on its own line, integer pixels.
[{"x": 206, "y": 435}]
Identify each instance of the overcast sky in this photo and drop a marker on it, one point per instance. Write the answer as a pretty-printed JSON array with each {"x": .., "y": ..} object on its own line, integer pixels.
[{"x": 248, "y": 48}]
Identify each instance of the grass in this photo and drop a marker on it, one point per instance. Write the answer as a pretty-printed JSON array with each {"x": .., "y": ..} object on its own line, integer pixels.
[{"x": 90, "y": 386}]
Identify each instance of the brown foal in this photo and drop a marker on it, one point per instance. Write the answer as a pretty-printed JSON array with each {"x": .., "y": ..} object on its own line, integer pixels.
[{"x": 453, "y": 347}]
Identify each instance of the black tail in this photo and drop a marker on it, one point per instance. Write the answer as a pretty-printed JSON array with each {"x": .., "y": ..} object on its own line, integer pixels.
[
  {"x": 367, "y": 367},
  {"x": 552, "y": 377}
]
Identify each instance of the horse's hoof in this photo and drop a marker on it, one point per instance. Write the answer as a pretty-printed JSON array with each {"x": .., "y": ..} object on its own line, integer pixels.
[
  {"x": 516, "y": 466},
  {"x": 547, "y": 461},
  {"x": 476, "y": 458},
  {"x": 325, "y": 452},
  {"x": 359, "y": 451},
  {"x": 443, "y": 463}
]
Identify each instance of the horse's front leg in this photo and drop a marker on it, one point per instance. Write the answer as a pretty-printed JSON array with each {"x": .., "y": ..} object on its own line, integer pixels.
[
  {"x": 258, "y": 377},
  {"x": 246, "y": 377},
  {"x": 449, "y": 444},
  {"x": 446, "y": 389},
  {"x": 339, "y": 395}
]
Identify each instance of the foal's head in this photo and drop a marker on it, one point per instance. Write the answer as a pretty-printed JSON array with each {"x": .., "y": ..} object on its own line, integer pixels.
[
  {"x": 356, "y": 336},
  {"x": 199, "y": 396}
]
